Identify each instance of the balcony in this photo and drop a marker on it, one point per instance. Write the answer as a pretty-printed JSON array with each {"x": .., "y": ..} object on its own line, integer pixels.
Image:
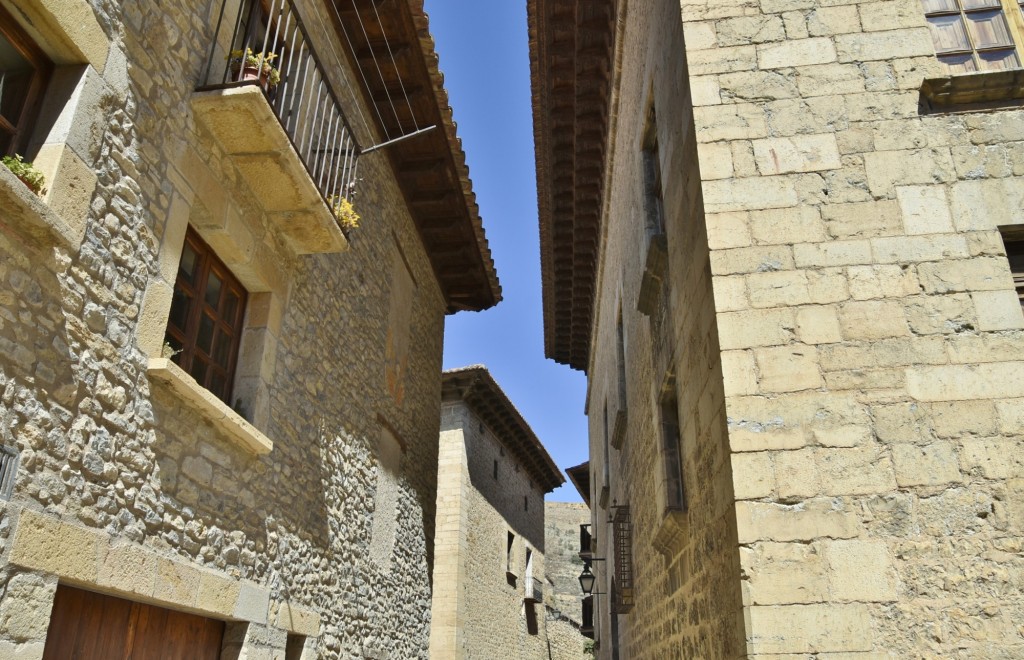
[
  {"x": 586, "y": 543},
  {"x": 267, "y": 101},
  {"x": 534, "y": 592}
]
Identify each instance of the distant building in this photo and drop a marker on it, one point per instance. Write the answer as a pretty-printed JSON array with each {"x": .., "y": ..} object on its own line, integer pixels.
[
  {"x": 490, "y": 592},
  {"x": 218, "y": 399},
  {"x": 781, "y": 238},
  {"x": 565, "y": 603}
]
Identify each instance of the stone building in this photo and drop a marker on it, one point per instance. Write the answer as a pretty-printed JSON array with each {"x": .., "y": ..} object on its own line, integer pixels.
[
  {"x": 775, "y": 235},
  {"x": 490, "y": 596},
  {"x": 565, "y": 604},
  {"x": 219, "y": 404}
]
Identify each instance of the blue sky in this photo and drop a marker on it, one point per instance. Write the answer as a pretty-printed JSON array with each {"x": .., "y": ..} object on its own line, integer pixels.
[{"x": 486, "y": 64}]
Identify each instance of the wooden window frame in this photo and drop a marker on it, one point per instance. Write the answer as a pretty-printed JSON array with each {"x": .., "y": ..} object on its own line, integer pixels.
[
  {"x": 27, "y": 48},
  {"x": 187, "y": 337},
  {"x": 1013, "y": 13}
]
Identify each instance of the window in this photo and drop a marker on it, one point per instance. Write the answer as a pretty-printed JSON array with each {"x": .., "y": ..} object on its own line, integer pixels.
[
  {"x": 24, "y": 71},
  {"x": 672, "y": 478},
  {"x": 587, "y": 617},
  {"x": 1015, "y": 255},
  {"x": 619, "y": 427},
  {"x": 606, "y": 467},
  {"x": 495, "y": 473},
  {"x": 654, "y": 246},
  {"x": 205, "y": 323},
  {"x": 526, "y": 503},
  {"x": 508, "y": 554},
  {"x": 294, "y": 646},
  {"x": 976, "y": 35},
  {"x": 654, "y": 207}
]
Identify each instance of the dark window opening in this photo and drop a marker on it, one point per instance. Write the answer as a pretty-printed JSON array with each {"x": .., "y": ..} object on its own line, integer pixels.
[
  {"x": 495, "y": 468},
  {"x": 205, "y": 324},
  {"x": 294, "y": 646},
  {"x": 508, "y": 552},
  {"x": 1015, "y": 255},
  {"x": 653, "y": 202},
  {"x": 671, "y": 455},
  {"x": 24, "y": 72}
]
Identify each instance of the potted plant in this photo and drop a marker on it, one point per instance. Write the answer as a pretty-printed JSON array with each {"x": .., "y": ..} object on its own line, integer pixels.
[
  {"x": 28, "y": 174},
  {"x": 249, "y": 65},
  {"x": 343, "y": 212}
]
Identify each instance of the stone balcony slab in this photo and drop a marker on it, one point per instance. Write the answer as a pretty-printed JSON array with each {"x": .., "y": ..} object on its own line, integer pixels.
[{"x": 244, "y": 124}]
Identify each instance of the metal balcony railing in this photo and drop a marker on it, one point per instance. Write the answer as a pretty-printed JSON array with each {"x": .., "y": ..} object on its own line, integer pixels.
[{"x": 264, "y": 43}]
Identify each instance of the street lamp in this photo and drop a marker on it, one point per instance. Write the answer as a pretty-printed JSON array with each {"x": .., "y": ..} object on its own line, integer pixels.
[{"x": 587, "y": 579}]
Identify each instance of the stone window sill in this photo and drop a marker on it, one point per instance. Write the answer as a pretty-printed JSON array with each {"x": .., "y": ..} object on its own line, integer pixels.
[
  {"x": 655, "y": 265},
  {"x": 215, "y": 411},
  {"x": 974, "y": 91},
  {"x": 619, "y": 432},
  {"x": 26, "y": 213},
  {"x": 669, "y": 536}
]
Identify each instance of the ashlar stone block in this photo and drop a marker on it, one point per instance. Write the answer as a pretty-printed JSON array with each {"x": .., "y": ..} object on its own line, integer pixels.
[
  {"x": 800, "y": 153},
  {"x": 925, "y": 209},
  {"x": 798, "y": 629},
  {"x": 860, "y": 570},
  {"x": 930, "y": 465}
]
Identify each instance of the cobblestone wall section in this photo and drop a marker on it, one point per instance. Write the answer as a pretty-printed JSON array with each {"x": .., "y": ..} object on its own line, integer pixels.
[
  {"x": 102, "y": 449},
  {"x": 871, "y": 337}
]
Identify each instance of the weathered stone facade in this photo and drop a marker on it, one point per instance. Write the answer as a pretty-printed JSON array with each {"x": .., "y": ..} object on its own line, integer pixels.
[
  {"x": 833, "y": 322},
  {"x": 490, "y": 594},
  {"x": 308, "y": 521},
  {"x": 562, "y": 522}
]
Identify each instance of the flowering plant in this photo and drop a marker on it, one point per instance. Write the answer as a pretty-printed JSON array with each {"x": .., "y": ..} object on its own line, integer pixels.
[
  {"x": 28, "y": 174},
  {"x": 263, "y": 61},
  {"x": 344, "y": 212}
]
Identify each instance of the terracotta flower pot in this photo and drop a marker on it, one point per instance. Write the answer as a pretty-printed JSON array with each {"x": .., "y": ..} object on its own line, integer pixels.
[{"x": 250, "y": 72}]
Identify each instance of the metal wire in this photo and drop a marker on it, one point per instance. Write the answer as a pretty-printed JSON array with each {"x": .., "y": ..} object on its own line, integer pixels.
[
  {"x": 398, "y": 74},
  {"x": 376, "y": 64},
  {"x": 337, "y": 59},
  {"x": 355, "y": 58}
]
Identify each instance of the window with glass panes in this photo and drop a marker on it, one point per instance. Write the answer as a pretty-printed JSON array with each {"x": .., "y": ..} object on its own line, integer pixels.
[
  {"x": 24, "y": 70},
  {"x": 976, "y": 35},
  {"x": 207, "y": 312}
]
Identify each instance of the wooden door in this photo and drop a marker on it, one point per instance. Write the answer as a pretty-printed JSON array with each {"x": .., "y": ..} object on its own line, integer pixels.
[{"x": 90, "y": 626}]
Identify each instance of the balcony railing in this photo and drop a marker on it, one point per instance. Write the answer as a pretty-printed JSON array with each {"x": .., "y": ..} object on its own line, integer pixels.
[{"x": 285, "y": 66}]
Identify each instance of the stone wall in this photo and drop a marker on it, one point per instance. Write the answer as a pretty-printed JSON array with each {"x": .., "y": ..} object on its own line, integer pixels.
[
  {"x": 483, "y": 609},
  {"x": 685, "y": 564},
  {"x": 562, "y": 522},
  {"x": 108, "y": 455},
  {"x": 870, "y": 333}
]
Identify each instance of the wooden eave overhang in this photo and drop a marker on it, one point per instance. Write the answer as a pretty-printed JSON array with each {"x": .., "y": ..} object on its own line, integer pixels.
[
  {"x": 431, "y": 167},
  {"x": 579, "y": 475},
  {"x": 571, "y": 49},
  {"x": 475, "y": 387}
]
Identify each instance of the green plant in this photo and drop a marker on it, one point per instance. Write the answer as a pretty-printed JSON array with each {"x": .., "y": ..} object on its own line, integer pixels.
[
  {"x": 28, "y": 174},
  {"x": 588, "y": 648},
  {"x": 262, "y": 61},
  {"x": 344, "y": 212}
]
